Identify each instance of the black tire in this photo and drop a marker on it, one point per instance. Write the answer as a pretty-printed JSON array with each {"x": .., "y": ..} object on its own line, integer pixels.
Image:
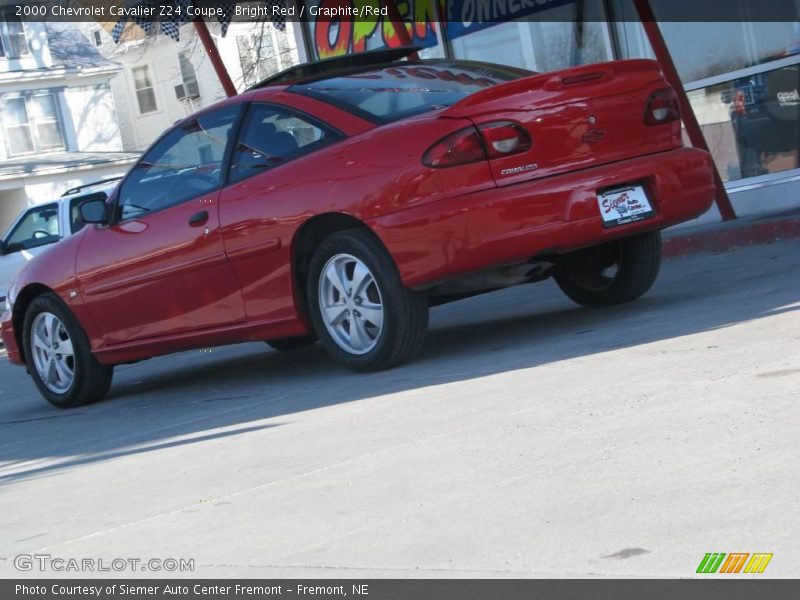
[
  {"x": 405, "y": 312},
  {"x": 292, "y": 344},
  {"x": 637, "y": 260},
  {"x": 91, "y": 380}
]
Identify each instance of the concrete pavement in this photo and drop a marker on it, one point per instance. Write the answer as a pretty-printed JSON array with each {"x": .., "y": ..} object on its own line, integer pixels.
[{"x": 531, "y": 438}]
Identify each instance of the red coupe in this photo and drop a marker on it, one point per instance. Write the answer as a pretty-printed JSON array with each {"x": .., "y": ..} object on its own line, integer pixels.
[{"x": 339, "y": 200}]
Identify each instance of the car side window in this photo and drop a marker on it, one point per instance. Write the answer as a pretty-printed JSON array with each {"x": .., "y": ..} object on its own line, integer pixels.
[
  {"x": 184, "y": 164},
  {"x": 272, "y": 135},
  {"x": 38, "y": 227}
]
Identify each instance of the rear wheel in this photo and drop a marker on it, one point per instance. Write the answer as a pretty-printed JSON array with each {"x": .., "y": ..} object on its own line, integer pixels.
[
  {"x": 365, "y": 317},
  {"x": 616, "y": 272},
  {"x": 58, "y": 355}
]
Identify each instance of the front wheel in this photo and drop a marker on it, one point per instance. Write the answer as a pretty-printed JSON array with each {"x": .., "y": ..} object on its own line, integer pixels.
[
  {"x": 58, "y": 355},
  {"x": 366, "y": 319},
  {"x": 613, "y": 273}
]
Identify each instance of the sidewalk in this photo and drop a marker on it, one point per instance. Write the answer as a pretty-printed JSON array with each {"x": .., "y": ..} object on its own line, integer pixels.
[{"x": 724, "y": 235}]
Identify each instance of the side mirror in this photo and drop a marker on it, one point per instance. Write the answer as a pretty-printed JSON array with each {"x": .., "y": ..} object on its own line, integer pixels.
[{"x": 94, "y": 210}]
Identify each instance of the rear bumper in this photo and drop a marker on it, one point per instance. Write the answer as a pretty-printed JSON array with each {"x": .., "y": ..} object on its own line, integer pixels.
[
  {"x": 9, "y": 339},
  {"x": 447, "y": 238}
]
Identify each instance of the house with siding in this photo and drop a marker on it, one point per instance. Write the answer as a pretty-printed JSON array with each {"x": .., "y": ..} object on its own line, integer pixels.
[
  {"x": 162, "y": 80},
  {"x": 58, "y": 120}
]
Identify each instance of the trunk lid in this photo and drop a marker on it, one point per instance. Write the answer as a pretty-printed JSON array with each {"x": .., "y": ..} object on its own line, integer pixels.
[{"x": 577, "y": 118}]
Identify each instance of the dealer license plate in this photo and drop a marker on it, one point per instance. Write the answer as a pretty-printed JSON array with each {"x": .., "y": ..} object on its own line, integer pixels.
[{"x": 624, "y": 205}]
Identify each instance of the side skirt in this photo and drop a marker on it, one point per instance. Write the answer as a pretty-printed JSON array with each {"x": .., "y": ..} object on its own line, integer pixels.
[{"x": 218, "y": 336}]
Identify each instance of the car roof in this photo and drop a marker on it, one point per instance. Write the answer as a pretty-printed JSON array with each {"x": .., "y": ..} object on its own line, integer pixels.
[
  {"x": 86, "y": 190},
  {"x": 91, "y": 189},
  {"x": 102, "y": 183}
]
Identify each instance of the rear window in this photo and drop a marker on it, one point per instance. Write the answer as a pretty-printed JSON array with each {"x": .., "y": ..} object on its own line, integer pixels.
[{"x": 403, "y": 90}]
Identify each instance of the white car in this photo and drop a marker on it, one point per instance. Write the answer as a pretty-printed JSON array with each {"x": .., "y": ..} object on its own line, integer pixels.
[{"x": 42, "y": 225}]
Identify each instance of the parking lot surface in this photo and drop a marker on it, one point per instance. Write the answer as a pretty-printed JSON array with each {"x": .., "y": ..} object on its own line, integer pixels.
[{"x": 531, "y": 438}]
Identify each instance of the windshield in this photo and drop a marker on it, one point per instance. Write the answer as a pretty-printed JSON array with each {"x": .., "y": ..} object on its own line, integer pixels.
[
  {"x": 406, "y": 89},
  {"x": 38, "y": 227}
]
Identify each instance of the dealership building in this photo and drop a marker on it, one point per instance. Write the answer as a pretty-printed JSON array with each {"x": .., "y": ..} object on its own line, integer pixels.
[
  {"x": 738, "y": 61},
  {"x": 741, "y": 73}
]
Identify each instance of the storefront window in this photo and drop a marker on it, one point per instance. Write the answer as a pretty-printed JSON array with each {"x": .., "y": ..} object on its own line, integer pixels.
[
  {"x": 702, "y": 50},
  {"x": 331, "y": 37},
  {"x": 746, "y": 103},
  {"x": 551, "y": 40},
  {"x": 532, "y": 35},
  {"x": 752, "y": 124}
]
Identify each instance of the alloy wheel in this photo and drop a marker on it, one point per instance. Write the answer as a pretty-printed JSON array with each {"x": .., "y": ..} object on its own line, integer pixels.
[
  {"x": 53, "y": 353},
  {"x": 350, "y": 303}
]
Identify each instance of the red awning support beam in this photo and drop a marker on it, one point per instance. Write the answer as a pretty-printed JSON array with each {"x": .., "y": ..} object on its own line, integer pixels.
[
  {"x": 399, "y": 26},
  {"x": 664, "y": 58},
  {"x": 213, "y": 55}
]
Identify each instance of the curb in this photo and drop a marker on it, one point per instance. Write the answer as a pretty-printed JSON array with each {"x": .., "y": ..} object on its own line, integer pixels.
[{"x": 732, "y": 234}]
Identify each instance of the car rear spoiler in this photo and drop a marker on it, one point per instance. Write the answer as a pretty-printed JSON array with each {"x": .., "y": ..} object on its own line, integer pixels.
[
  {"x": 553, "y": 85},
  {"x": 331, "y": 66}
]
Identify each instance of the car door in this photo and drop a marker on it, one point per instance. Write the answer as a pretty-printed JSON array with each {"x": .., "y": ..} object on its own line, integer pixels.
[
  {"x": 159, "y": 268},
  {"x": 33, "y": 231},
  {"x": 260, "y": 203}
]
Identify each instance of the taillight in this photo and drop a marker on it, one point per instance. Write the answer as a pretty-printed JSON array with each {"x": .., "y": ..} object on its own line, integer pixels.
[
  {"x": 460, "y": 148},
  {"x": 495, "y": 140},
  {"x": 662, "y": 107},
  {"x": 504, "y": 138}
]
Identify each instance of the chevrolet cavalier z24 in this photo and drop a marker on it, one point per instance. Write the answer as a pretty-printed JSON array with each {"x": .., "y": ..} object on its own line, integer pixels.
[{"x": 338, "y": 201}]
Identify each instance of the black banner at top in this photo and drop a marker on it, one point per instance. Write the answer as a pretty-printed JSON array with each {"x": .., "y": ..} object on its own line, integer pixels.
[{"x": 463, "y": 13}]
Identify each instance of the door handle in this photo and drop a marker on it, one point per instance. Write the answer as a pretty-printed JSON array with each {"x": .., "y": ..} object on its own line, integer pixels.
[{"x": 198, "y": 219}]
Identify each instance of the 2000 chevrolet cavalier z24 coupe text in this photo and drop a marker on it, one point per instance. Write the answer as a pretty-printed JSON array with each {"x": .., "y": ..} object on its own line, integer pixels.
[{"x": 339, "y": 200}]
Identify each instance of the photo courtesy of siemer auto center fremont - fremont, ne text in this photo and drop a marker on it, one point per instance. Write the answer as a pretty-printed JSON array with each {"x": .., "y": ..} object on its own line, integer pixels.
[{"x": 399, "y": 299}]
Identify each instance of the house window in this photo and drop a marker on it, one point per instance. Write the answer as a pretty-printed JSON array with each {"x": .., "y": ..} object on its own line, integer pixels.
[
  {"x": 145, "y": 94},
  {"x": 32, "y": 124},
  {"x": 18, "y": 128},
  {"x": 44, "y": 112},
  {"x": 188, "y": 76},
  {"x": 13, "y": 43},
  {"x": 257, "y": 57}
]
